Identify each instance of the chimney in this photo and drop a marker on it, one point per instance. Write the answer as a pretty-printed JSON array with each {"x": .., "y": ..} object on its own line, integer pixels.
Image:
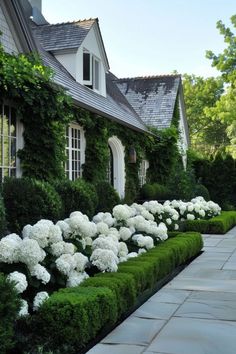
[{"x": 36, "y": 4}]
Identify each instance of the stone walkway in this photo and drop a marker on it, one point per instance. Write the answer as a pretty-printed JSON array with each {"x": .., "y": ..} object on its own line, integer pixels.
[{"x": 195, "y": 313}]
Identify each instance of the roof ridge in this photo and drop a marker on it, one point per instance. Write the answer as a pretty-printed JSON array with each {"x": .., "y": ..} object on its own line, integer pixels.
[
  {"x": 70, "y": 22},
  {"x": 149, "y": 77}
]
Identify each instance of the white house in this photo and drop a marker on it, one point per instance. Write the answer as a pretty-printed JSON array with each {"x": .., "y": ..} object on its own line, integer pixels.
[{"x": 76, "y": 53}]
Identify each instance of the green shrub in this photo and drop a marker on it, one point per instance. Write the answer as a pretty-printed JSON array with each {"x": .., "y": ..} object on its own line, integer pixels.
[
  {"x": 29, "y": 200},
  {"x": 9, "y": 308},
  {"x": 107, "y": 197},
  {"x": 147, "y": 192},
  {"x": 70, "y": 318},
  {"x": 201, "y": 190},
  {"x": 77, "y": 195},
  {"x": 217, "y": 225},
  {"x": 161, "y": 192},
  {"x": 123, "y": 286},
  {"x": 73, "y": 317},
  {"x": 2, "y": 217}
]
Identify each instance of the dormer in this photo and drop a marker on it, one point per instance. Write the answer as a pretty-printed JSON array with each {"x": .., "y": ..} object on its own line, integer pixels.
[{"x": 79, "y": 47}]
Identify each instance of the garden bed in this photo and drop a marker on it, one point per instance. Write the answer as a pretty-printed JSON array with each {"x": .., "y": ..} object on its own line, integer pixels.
[
  {"x": 72, "y": 319},
  {"x": 217, "y": 225}
]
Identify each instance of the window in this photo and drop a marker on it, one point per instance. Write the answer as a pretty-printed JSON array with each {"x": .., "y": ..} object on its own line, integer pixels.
[
  {"x": 74, "y": 151},
  {"x": 91, "y": 71},
  {"x": 143, "y": 172},
  {"x": 8, "y": 143}
]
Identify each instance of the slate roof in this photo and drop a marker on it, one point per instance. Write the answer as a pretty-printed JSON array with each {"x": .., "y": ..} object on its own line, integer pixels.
[
  {"x": 153, "y": 97},
  {"x": 67, "y": 35},
  {"x": 114, "y": 106}
]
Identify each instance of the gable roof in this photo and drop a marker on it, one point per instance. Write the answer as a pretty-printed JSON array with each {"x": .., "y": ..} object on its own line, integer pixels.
[
  {"x": 69, "y": 35},
  {"x": 116, "y": 109},
  {"x": 153, "y": 97}
]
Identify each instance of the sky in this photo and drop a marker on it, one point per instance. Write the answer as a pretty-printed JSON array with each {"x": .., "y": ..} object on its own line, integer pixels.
[{"x": 152, "y": 37}]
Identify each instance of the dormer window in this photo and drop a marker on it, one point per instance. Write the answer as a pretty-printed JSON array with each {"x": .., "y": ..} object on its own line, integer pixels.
[{"x": 91, "y": 71}]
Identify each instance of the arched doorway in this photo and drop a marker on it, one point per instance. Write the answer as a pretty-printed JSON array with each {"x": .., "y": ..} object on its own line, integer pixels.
[{"x": 116, "y": 174}]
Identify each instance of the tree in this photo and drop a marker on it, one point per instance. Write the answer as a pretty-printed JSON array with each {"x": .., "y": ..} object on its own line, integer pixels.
[
  {"x": 207, "y": 135},
  {"x": 225, "y": 108}
]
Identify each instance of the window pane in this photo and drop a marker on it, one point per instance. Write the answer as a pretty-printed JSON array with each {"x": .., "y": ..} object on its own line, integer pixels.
[
  {"x": 13, "y": 122},
  {"x": 96, "y": 74},
  {"x": 13, "y": 172},
  {"x": 6, "y": 151},
  {"x": 6, "y": 121},
  {"x": 86, "y": 66},
  {"x": 13, "y": 152}
]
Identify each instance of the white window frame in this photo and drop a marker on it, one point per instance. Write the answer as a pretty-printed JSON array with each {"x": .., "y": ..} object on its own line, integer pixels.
[
  {"x": 70, "y": 172},
  {"x": 19, "y": 142},
  {"x": 91, "y": 82},
  {"x": 142, "y": 173},
  {"x": 88, "y": 82},
  {"x": 96, "y": 60}
]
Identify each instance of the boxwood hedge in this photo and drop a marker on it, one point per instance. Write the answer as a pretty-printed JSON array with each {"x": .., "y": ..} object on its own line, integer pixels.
[
  {"x": 73, "y": 317},
  {"x": 217, "y": 225}
]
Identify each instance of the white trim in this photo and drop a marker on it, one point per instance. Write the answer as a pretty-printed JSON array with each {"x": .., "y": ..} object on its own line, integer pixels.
[
  {"x": 80, "y": 150},
  {"x": 118, "y": 151}
]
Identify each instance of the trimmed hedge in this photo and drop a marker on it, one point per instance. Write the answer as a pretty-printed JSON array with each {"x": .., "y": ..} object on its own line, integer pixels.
[
  {"x": 77, "y": 195},
  {"x": 217, "y": 225},
  {"x": 107, "y": 197},
  {"x": 73, "y": 317},
  {"x": 2, "y": 218},
  {"x": 28, "y": 200},
  {"x": 9, "y": 308}
]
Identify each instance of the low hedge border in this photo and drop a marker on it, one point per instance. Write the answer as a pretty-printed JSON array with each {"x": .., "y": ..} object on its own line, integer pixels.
[
  {"x": 78, "y": 315},
  {"x": 217, "y": 225}
]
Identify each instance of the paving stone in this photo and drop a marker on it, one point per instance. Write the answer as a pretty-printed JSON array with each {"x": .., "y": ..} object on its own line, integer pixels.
[
  {"x": 211, "y": 295},
  {"x": 210, "y": 273},
  {"x": 212, "y": 241},
  {"x": 203, "y": 284},
  {"x": 217, "y": 249},
  {"x": 134, "y": 330},
  {"x": 116, "y": 349},
  {"x": 152, "y": 309},
  {"x": 227, "y": 243},
  {"x": 195, "y": 336},
  {"x": 212, "y": 309},
  {"x": 171, "y": 296}
]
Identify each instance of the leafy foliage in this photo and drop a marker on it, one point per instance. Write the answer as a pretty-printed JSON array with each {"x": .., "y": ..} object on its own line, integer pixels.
[
  {"x": 107, "y": 197},
  {"x": 29, "y": 200},
  {"x": 44, "y": 109},
  {"x": 9, "y": 308},
  {"x": 2, "y": 217}
]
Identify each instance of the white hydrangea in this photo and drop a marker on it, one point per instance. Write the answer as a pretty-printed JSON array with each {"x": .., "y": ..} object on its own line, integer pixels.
[
  {"x": 40, "y": 273},
  {"x": 55, "y": 234},
  {"x": 102, "y": 228},
  {"x": 176, "y": 227},
  {"x": 10, "y": 248},
  {"x": 143, "y": 241},
  {"x": 39, "y": 299},
  {"x": 132, "y": 255},
  {"x": 154, "y": 207},
  {"x": 123, "y": 250},
  {"x": 107, "y": 243},
  {"x": 113, "y": 231},
  {"x": 19, "y": 280},
  {"x": 30, "y": 252},
  {"x": 80, "y": 261},
  {"x": 39, "y": 232},
  {"x": 75, "y": 278},
  {"x": 104, "y": 217},
  {"x": 122, "y": 212},
  {"x": 125, "y": 233},
  {"x": 26, "y": 230},
  {"x": 141, "y": 251},
  {"x": 59, "y": 248},
  {"x": 88, "y": 229},
  {"x": 65, "y": 264},
  {"x": 190, "y": 217},
  {"x": 104, "y": 260},
  {"x": 168, "y": 221},
  {"x": 24, "y": 309},
  {"x": 65, "y": 229}
]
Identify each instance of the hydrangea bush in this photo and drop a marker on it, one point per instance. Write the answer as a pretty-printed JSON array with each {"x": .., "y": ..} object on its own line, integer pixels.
[{"x": 49, "y": 256}]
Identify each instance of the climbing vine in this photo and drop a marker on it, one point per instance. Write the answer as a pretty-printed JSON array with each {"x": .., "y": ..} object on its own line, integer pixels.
[{"x": 45, "y": 110}]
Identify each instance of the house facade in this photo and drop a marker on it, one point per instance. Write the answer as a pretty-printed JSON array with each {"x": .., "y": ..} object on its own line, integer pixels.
[{"x": 75, "y": 52}]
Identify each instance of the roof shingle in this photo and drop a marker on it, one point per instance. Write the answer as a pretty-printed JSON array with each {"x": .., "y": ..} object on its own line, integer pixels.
[
  {"x": 153, "y": 97},
  {"x": 59, "y": 36}
]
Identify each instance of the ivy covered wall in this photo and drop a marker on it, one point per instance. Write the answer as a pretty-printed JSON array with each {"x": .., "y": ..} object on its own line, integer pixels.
[{"x": 45, "y": 110}]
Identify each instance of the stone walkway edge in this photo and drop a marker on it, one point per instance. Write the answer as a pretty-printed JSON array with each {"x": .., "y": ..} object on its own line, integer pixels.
[{"x": 195, "y": 313}]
